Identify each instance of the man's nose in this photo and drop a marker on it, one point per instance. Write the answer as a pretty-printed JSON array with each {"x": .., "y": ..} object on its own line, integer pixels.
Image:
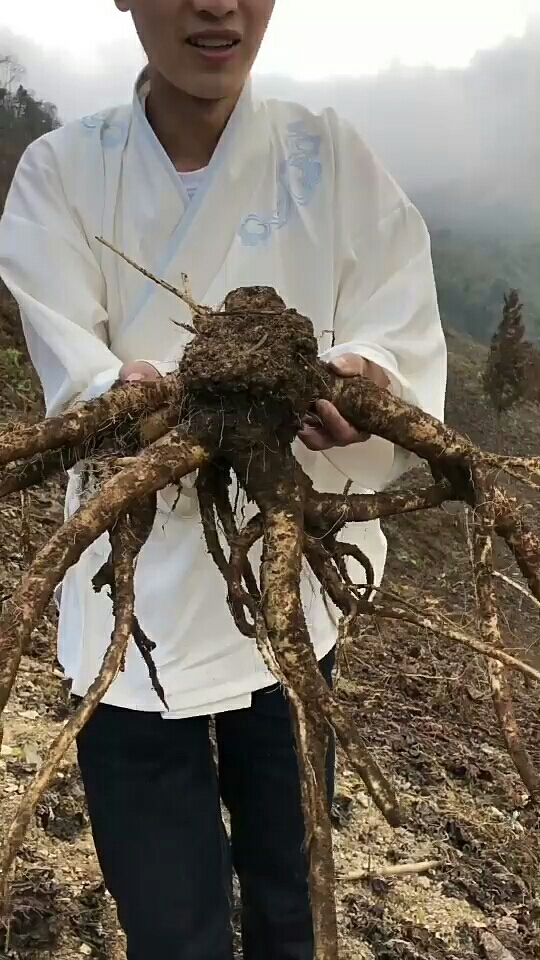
[{"x": 215, "y": 8}]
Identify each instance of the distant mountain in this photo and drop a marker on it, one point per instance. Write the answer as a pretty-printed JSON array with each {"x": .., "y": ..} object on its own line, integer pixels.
[
  {"x": 485, "y": 231},
  {"x": 503, "y": 204},
  {"x": 474, "y": 271}
]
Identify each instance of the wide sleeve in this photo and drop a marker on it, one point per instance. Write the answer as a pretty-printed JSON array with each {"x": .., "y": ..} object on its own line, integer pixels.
[
  {"x": 46, "y": 262},
  {"x": 386, "y": 302}
]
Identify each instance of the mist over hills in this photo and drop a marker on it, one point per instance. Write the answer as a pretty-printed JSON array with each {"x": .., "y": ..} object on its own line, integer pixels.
[{"x": 463, "y": 143}]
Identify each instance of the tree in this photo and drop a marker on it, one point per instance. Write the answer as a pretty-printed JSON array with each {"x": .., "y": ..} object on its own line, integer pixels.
[
  {"x": 508, "y": 363},
  {"x": 10, "y": 72},
  {"x": 23, "y": 118}
]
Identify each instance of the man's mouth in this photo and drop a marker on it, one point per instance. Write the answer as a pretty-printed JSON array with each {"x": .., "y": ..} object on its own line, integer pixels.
[{"x": 213, "y": 42}]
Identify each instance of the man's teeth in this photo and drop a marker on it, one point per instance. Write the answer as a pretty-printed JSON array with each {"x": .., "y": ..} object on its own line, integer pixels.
[{"x": 213, "y": 43}]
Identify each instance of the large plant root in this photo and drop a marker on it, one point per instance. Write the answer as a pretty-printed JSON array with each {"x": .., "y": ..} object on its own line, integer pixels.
[
  {"x": 312, "y": 743},
  {"x": 246, "y": 380},
  {"x": 483, "y": 519},
  {"x": 377, "y": 411},
  {"x": 126, "y": 544},
  {"x": 166, "y": 462},
  {"x": 118, "y": 412}
]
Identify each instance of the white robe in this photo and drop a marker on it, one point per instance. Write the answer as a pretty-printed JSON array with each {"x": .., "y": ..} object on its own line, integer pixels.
[{"x": 291, "y": 200}]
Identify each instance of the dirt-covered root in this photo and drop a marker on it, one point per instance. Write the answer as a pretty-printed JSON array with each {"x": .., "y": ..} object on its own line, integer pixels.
[
  {"x": 141, "y": 518},
  {"x": 207, "y": 509},
  {"x": 341, "y": 552},
  {"x": 220, "y": 477},
  {"x": 271, "y": 482},
  {"x": 215, "y": 509},
  {"x": 483, "y": 526},
  {"x": 125, "y": 547},
  {"x": 328, "y": 513},
  {"x": 375, "y": 410},
  {"x": 240, "y": 597},
  {"x": 117, "y": 412},
  {"x": 332, "y": 511},
  {"x": 322, "y": 564},
  {"x": 524, "y": 544},
  {"x": 395, "y": 607},
  {"x": 312, "y": 741},
  {"x": 165, "y": 462},
  {"x": 22, "y": 476}
]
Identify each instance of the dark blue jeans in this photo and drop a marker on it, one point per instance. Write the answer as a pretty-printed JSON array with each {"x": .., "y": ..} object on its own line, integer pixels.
[{"x": 153, "y": 795}]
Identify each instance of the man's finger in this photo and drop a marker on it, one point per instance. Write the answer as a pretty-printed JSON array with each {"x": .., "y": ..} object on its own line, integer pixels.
[
  {"x": 348, "y": 365},
  {"x": 352, "y": 365},
  {"x": 137, "y": 370},
  {"x": 339, "y": 429},
  {"x": 315, "y": 439}
]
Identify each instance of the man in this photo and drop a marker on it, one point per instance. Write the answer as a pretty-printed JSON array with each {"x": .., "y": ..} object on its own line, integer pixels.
[{"x": 198, "y": 177}]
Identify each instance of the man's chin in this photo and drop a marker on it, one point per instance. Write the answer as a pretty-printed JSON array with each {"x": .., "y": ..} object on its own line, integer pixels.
[{"x": 212, "y": 88}]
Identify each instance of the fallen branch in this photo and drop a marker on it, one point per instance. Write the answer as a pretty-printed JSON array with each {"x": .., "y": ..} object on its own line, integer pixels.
[
  {"x": 398, "y": 870},
  {"x": 516, "y": 586},
  {"x": 440, "y": 627}
]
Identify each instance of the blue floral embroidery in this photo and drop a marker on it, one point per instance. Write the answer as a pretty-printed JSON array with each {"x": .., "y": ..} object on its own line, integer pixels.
[
  {"x": 297, "y": 177},
  {"x": 112, "y": 131}
]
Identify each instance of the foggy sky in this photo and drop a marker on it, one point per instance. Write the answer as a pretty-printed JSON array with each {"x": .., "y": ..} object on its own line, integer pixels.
[{"x": 479, "y": 125}]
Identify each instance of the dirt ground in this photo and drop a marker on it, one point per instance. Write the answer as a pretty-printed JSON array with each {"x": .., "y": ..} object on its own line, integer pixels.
[{"x": 423, "y": 705}]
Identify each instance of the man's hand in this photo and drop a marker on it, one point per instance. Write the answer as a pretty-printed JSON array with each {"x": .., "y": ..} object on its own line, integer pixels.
[
  {"x": 138, "y": 370},
  {"x": 325, "y": 428}
]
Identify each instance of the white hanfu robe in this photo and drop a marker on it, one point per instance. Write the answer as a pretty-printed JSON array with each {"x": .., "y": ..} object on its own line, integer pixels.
[{"x": 291, "y": 200}]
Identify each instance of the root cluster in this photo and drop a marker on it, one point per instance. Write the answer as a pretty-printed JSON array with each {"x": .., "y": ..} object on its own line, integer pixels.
[{"x": 247, "y": 379}]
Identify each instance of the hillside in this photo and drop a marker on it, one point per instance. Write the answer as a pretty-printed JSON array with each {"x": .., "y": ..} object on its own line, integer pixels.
[
  {"x": 473, "y": 271},
  {"x": 423, "y": 704}
]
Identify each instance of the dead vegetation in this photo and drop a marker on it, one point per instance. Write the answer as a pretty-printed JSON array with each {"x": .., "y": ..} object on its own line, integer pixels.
[{"x": 235, "y": 407}]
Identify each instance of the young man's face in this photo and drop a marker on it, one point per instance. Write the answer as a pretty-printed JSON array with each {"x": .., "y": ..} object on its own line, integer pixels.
[{"x": 205, "y": 48}]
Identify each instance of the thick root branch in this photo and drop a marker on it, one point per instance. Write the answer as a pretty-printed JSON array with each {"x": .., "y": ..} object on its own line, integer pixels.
[
  {"x": 331, "y": 512},
  {"x": 141, "y": 518},
  {"x": 117, "y": 412},
  {"x": 311, "y": 741},
  {"x": 483, "y": 529},
  {"x": 520, "y": 539},
  {"x": 282, "y": 508},
  {"x": 22, "y": 476},
  {"x": 125, "y": 548},
  {"x": 311, "y": 744},
  {"x": 374, "y": 410},
  {"x": 165, "y": 462}
]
